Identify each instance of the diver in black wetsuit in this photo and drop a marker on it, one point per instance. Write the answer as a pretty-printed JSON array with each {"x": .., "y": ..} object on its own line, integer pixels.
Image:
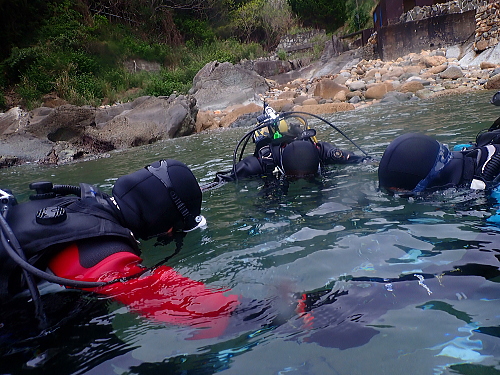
[
  {"x": 286, "y": 146},
  {"x": 82, "y": 238},
  {"x": 416, "y": 163}
]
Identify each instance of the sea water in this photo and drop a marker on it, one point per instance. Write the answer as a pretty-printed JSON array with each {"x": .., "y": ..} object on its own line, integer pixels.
[{"x": 400, "y": 285}]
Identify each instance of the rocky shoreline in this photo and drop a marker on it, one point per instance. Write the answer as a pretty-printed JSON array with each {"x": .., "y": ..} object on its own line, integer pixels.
[
  {"x": 226, "y": 95},
  {"x": 361, "y": 83}
]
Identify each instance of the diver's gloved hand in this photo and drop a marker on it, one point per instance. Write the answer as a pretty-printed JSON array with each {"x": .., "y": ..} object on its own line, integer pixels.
[
  {"x": 249, "y": 166},
  {"x": 332, "y": 155}
]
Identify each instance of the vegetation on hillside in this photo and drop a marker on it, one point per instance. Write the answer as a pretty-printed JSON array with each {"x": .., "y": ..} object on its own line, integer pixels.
[{"x": 76, "y": 49}]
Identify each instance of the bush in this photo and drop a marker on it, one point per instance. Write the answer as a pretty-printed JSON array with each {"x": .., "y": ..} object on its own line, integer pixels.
[
  {"x": 162, "y": 85},
  {"x": 323, "y": 14},
  {"x": 194, "y": 30},
  {"x": 82, "y": 60},
  {"x": 359, "y": 15}
]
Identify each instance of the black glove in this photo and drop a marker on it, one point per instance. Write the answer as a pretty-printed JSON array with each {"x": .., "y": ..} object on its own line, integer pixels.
[{"x": 330, "y": 154}]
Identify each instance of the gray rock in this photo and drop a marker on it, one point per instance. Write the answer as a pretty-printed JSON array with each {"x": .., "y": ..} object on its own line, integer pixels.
[
  {"x": 25, "y": 148},
  {"x": 495, "y": 72},
  {"x": 355, "y": 99},
  {"x": 246, "y": 120},
  {"x": 403, "y": 77},
  {"x": 424, "y": 82},
  {"x": 452, "y": 72},
  {"x": 424, "y": 94},
  {"x": 357, "y": 85},
  {"x": 396, "y": 97},
  {"x": 220, "y": 85}
]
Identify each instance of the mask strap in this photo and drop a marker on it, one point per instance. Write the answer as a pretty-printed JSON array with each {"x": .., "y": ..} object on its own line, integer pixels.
[
  {"x": 162, "y": 174},
  {"x": 442, "y": 159}
]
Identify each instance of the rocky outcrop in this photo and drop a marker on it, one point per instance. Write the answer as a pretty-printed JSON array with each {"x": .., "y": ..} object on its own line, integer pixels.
[
  {"x": 220, "y": 85},
  {"x": 227, "y": 95},
  {"x": 67, "y": 133}
]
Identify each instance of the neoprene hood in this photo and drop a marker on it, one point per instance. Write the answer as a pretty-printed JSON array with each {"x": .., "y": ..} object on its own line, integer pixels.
[
  {"x": 159, "y": 197},
  {"x": 496, "y": 99},
  {"x": 300, "y": 159},
  {"x": 416, "y": 162}
]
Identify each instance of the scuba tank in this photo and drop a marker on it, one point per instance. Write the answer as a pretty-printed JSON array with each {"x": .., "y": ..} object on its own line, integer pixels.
[{"x": 291, "y": 127}]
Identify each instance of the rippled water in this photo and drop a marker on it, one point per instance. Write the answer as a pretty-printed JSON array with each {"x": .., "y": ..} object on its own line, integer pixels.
[{"x": 410, "y": 286}]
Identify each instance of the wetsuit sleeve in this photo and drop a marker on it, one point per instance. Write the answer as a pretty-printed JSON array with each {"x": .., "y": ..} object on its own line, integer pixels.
[
  {"x": 495, "y": 125},
  {"x": 161, "y": 294},
  {"x": 329, "y": 154},
  {"x": 491, "y": 137},
  {"x": 249, "y": 166}
]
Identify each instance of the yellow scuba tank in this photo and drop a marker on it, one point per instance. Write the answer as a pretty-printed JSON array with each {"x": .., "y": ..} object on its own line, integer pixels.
[{"x": 292, "y": 127}]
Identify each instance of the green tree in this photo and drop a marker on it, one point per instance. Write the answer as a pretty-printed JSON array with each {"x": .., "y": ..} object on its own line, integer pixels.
[
  {"x": 324, "y": 14},
  {"x": 19, "y": 22},
  {"x": 359, "y": 14},
  {"x": 263, "y": 21}
]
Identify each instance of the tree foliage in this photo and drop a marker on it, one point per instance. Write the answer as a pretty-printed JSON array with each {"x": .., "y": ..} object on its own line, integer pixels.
[
  {"x": 324, "y": 14},
  {"x": 76, "y": 48},
  {"x": 359, "y": 14},
  {"x": 262, "y": 20}
]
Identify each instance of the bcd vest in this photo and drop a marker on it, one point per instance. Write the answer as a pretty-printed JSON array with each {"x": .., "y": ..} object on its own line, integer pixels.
[{"x": 40, "y": 225}]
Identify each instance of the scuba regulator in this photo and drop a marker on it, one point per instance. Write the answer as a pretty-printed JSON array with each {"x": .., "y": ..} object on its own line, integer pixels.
[{"x": 7, "y": 200}]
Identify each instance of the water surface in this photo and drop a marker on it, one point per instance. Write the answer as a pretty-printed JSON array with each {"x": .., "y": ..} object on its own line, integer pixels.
[{"x": 403, "y": 285}]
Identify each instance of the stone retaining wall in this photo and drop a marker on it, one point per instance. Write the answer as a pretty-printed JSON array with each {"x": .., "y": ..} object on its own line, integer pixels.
[
  {"x": 487, "y": 18},
  {"x": 300, "y": 41},
  {"x": 427, "y": 11},
  {"x": 487, "y": 26}
]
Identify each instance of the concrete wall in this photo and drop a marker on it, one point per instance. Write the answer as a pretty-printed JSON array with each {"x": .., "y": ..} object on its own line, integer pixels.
[{"x": 400, "y": 39}]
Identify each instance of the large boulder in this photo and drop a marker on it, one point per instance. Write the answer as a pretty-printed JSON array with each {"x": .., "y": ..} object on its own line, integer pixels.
[
  {"x": 328, "y": 89},
  {"x": 220, "y": 85},
  {"x": 493, "y": 83},
  {"x": 11, "y": 120},
  {"x": 452, "y": 72},
  {"x": 411, "y": 86},
  {"x": 63, "y": 123},
  {"x": 431, "y": 61},
  {"x": 169, "y": 117},
  {"x": 376, "y": 91}
]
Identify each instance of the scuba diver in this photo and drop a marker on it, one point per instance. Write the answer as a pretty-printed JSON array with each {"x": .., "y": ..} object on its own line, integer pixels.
[
  {"x": 415, "y": 163},
  {"x": 79, "y": 237},
  {"x": 285, "y": 146}
]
